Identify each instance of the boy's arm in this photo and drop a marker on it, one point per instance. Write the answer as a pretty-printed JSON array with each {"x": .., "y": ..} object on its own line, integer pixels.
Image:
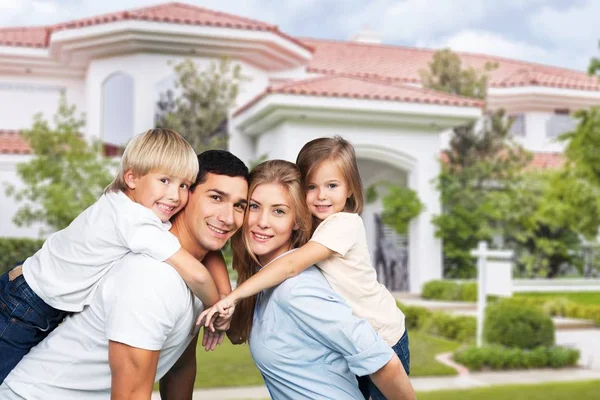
[
  {"x": 216, "y": 266},
  {"x": 195, "y": 275}
]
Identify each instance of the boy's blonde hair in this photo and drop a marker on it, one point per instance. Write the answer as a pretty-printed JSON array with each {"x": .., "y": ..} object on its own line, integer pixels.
[
  {"x": 341, "y": 152},
  {"x": 161, "y": 150}
]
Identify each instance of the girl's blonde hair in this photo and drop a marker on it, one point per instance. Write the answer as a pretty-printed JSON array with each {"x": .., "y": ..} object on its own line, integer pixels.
[
  {"x": 161, "y": 150},
  {"x": 341, "y": 152},
  {"x": 246, "y": 264}
]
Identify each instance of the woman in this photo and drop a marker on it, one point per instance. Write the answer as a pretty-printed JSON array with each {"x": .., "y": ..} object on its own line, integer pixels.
[{"x": 302, "y": 335}]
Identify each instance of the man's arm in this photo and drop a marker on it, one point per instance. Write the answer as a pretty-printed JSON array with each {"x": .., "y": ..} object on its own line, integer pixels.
[
  {"x": 393, "y": 381},
  {"x": 216, "y": 266},
  {"x": 178, "y": 383},
  {"x": 132, "y": 370}
]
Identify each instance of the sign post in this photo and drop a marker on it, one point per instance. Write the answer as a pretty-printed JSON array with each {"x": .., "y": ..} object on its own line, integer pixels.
[{"x": 494, "y": 276}]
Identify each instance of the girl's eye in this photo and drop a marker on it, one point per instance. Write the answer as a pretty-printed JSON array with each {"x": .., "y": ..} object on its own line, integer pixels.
[
  {"x": 310, "y": 187},
  {"x": 332, "y": 185}
]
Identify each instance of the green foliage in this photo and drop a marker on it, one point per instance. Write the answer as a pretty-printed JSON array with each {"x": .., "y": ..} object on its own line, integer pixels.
[
  {"x": 13, "y": 250},
  {"x": 446, "y": 74},
  {"x": 561, "y": 307},
  {"x": 583, "y": 143},
  {"x": 459, "y": 328},
  {"x": 497, "y": 357},
  {"x": 400, "y": 206},
  {"x": 414, "y": 316},
  {"x": 65, "y": 175},
  {"x": 204, "y": 98},
  {"x": 510, "y": 324},
  {"x": 451, "y": 291},
  {"x": 480, "y": 169}
]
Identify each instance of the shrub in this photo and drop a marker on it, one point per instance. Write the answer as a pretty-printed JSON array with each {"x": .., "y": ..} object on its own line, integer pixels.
[
  {"x": 514, "y": 325},
  {"x": 13, "y": 250},
  {"x": 451, "y": 291},
  {"x": 498, "y": 357},
  {"x": 415, "y": 317},
  {"x": 459, "y": 328}
]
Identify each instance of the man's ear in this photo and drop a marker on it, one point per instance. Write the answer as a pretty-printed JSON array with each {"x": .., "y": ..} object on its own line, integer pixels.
[{"x": 129, "y": 178}]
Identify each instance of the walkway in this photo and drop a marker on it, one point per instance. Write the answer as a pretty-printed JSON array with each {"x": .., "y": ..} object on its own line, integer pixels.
[{"x": 424, "y": 384}]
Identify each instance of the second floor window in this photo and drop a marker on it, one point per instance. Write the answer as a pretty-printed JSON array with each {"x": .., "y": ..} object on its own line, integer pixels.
[
  {"x": 518, "y": 125},
  {"x": 560, "y": 122}
]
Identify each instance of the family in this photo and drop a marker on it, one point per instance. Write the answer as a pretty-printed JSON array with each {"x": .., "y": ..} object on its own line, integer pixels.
[{"x": 113, "y": 302}]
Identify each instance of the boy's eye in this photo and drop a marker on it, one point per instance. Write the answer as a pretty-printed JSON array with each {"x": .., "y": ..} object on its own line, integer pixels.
[
  {"x": 185, "y": 186},
  {"x": 164, "y": 180}
]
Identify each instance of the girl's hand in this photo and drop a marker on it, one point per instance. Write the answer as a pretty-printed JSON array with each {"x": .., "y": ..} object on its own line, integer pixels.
[{"x": 223, "y": 307}]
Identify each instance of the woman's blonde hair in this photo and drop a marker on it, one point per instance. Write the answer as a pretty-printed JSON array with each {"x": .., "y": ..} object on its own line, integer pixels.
[
  {"x": 246, "y": 264},
  {"x": 161, "y": 150},
  {"x": 341, "y": 152}
]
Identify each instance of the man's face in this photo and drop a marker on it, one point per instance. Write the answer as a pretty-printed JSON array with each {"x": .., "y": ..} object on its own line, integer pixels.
[{"x": 215, "y": 210}]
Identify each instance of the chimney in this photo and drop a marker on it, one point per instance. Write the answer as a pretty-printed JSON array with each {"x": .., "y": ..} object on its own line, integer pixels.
[{"x": 366, "y": 35}]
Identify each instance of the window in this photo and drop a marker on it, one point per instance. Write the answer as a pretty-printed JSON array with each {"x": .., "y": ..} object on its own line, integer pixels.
[
  {"x": 518, "y": 125},
  {"x": 117, "y": 109},
  {"x": 559, "y": 123}
]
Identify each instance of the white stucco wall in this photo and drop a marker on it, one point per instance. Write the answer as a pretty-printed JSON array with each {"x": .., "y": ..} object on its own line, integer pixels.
[
  {"x": 21, "y": 97},
  {"x": 387, "y": 145}
]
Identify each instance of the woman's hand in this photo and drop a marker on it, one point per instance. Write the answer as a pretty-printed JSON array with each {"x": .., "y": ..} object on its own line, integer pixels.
[{"x": 224, "y": 307}]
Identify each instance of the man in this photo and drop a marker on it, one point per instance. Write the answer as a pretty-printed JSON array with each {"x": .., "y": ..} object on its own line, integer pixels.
[{"x": 137, "y": 328}]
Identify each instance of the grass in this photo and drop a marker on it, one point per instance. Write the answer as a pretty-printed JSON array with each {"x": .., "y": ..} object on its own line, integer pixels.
[
  {"x": 588, "y": 298},
  {"x": 231, "y": 365},
  {"x": 552, "y": 391}
]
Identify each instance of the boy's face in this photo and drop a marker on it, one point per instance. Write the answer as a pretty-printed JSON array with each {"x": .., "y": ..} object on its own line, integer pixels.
[
  {"x": 163, "y": 194},
  {"x": 216, "y": 210}
]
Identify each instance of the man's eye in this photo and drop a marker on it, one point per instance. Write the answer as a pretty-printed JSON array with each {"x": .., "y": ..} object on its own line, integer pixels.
[
  {"x": 240, "y": 206},
  {"x": 216, "y": 197}
]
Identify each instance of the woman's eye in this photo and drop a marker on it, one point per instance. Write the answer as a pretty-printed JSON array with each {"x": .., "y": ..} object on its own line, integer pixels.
[
  {"x": 253, "y": 206},
  {"x": 279, "y": 212}
]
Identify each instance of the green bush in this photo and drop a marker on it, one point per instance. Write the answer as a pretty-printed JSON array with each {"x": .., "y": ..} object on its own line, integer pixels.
[
  {"x": 561, "y": 307},
  {"x": 459, "y": 328},
  {"x": 13, "y": 250},
  {"x": 512, "y": 324},
  {"x": 415, "y": 317},
  {"x": 497, "y": 357},
  {"x": 449, "y": 290}
]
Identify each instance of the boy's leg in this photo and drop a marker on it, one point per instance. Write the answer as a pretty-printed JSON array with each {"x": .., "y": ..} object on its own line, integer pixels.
[
  {"x": 25, "y": 320},
  {"x": 402, "y": 351}
]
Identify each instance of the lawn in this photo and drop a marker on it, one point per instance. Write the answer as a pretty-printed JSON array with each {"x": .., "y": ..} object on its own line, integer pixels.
[
  {"x": 231, "y": 365},
  {"x": 552, "y": 391},
  {"x": 590, "y": 298}
]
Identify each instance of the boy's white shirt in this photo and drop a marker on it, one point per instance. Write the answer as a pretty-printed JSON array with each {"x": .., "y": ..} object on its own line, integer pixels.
[
  {"x": 66, "y": 270},
  {"x": 350, "y": 273}
]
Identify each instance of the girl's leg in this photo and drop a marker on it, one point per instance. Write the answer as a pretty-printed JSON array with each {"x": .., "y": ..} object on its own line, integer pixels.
[{"x": 403, "y": 352}]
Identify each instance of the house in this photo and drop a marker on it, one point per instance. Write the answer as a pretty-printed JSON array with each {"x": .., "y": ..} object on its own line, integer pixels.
[{"x": 114, "y": 67}]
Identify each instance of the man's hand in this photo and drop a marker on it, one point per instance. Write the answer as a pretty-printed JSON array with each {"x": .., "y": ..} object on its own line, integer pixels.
[{"x": 211, "y": 339}]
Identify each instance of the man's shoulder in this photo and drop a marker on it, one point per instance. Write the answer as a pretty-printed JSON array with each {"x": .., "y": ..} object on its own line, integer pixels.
[{"x": 139, "y": 268}]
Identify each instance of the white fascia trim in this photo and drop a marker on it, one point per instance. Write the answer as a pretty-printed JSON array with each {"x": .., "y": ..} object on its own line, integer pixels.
[
  {"x": 171, "y": 30},
  {"x": 273, "y": 108},
  {"x": 544, "y": 91},
  {"x": 23, "y": 52}
]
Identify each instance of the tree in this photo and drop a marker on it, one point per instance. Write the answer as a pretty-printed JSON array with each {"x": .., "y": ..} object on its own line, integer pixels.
[
  {"x": 583, "y": 144},
  {"x": 65, "y": 175},
  {"x": 199, "y": 107},
  {"x": 400, "y": 204},
  {"x": 446, "y": 74}
]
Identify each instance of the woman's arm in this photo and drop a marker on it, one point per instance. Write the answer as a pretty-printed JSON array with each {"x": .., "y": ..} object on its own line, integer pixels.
[{"x": 273, "y": 274}]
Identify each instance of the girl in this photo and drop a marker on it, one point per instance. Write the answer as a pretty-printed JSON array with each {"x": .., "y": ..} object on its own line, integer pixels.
[
  {"x": 303, "y": 336},
  {"x": 338, "y": 247}
]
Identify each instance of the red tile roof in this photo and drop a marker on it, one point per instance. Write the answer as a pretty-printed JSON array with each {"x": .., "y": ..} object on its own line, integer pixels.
[
  {"x": 173, "y": 12},
  {"x": 547, "y": 160},
  {"x": 364, "y": 88},
  {"x": 399, "y": 63},
  {"x": 12, "y": 143}
]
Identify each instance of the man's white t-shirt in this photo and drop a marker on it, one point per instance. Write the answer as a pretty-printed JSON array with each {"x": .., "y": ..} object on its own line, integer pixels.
[
  {"x": 141, "y": 302},
  {"x": 65, "y": 271}
]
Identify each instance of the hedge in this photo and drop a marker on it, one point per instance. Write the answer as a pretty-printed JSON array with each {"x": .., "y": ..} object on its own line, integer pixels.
[
  {"x": 13, "y": 250},
  {"x": 497, "y": 357},
  {"x": 516, "y": 325},
  {"x": 459, "y": 328},
  {"x": 451, "y": 291},
  {"x": 562, "y": 307}
]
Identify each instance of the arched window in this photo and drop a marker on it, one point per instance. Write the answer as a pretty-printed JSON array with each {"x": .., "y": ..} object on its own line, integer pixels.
[{"x": 117, "y": 109}]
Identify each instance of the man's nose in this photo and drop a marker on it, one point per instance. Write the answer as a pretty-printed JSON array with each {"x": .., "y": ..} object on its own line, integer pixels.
[{"x": 226, "y": 215}]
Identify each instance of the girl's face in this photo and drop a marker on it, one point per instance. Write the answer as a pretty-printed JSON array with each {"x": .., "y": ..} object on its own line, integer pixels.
[
  {"x": 326, "y": 191},
  {"x": 271, "y": 222}
]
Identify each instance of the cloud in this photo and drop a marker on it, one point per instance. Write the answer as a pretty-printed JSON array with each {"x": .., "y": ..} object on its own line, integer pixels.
[{"x": 574, "y": 26}]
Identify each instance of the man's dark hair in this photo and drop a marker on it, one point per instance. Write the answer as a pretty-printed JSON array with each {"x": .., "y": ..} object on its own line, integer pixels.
[{"x": 219, "y": 162}]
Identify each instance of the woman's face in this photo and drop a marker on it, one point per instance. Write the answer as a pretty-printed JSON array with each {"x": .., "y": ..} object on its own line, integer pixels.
[{"x": 271, "y": 221}]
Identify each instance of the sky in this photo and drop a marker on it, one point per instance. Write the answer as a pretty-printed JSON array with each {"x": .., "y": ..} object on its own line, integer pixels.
[{"x": 556, "y": 32}]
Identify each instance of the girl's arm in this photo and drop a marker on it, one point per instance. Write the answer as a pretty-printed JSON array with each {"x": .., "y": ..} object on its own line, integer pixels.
[
  {"x": 195, "y": 275},
  {"x": 273, "y": 274}
]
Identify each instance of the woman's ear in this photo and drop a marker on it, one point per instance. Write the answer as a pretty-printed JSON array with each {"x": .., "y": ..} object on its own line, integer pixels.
[{"x": 130, "y": 179}]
